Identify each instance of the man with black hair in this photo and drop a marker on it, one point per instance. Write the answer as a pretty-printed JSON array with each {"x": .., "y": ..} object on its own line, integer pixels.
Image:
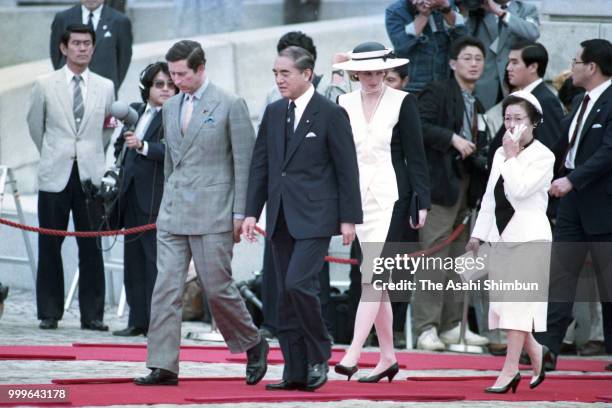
[
  {"x": 141, "y": 186},
  {"x": 583, "y": 184},
  {"x": 113, "y": 52},
  {"x": 66, "y": 121},
  {"x": 453, "y": 133},
  {"x": 499, "y": 24},
  {"x": 209, "y": 142}
]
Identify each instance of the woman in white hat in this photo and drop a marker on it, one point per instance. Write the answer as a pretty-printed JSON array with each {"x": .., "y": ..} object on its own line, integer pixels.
[
  {"x": 513, "y": 218},
  {"x": 392, "y": 168}
]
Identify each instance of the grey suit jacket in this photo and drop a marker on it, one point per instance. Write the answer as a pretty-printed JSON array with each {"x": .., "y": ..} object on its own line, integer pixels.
[
  {"x": 53, "y": 130},
  {"x": 206, "y": 171},
  {"x": 524, "y": 24}
]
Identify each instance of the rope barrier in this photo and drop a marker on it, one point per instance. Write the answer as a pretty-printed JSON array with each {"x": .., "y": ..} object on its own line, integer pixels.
[
  {"x": 148, "y": 227},
  {"x": 80, "y": 234}
]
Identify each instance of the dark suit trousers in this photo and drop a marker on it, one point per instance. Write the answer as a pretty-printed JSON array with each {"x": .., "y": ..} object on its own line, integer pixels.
[
  {"x": 302, "y": 334},
  {"x": 567, "y": 260},
  {"x": 269, "y": 292},
  {"x": 53, "y": 212},
  {"x": 139, "y": 261}
]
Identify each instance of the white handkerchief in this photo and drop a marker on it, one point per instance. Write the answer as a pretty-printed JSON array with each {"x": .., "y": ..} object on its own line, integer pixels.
[
  {"x": 596, "y": 126},
  {"x": 107, "y": 34},
  {"x": 311, "y": 134}
]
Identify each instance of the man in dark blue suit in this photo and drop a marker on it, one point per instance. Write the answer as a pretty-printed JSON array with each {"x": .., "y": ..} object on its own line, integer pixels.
[
  {"x": 584, "y": 216},
  {"x": 142, "y": 183},
  {"x": 113, "y": 52},
  {"x": 304, "y": 167}
]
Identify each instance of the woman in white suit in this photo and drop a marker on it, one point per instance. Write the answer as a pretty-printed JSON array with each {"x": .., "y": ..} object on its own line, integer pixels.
[
  {"x": 513, "y": 211},
  {"x": 392, "y": 166}
]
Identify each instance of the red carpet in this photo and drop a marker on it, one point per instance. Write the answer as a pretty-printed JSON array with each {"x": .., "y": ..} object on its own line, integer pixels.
[
  {"x": 220, "y": 354},
  {"x": 216, "y": 390}
]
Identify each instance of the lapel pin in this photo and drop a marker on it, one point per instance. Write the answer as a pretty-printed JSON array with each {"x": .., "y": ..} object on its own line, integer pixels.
[
  {"x": 598, "y": 110},
  {"x": 104, "y": 27},
  {"x": 307, "y": 121}
]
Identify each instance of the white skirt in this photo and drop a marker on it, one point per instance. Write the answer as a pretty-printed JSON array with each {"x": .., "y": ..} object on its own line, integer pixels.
[{"x": 374, "y": 230}]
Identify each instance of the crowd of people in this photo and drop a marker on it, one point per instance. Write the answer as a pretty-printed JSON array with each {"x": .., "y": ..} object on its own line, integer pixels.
[{"x": 392, "y": 146}]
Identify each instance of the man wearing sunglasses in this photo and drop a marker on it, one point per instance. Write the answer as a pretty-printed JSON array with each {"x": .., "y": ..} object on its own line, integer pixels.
[{"x": 141, "y": 187}]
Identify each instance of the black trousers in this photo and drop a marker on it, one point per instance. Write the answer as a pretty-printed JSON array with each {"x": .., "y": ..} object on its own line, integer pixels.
[
  {"x": 139, "y": 262},
  {"x": 302, "y": 334},
  {"x": 269, "y": 292},
  {"x": 53, "y": 212},
  {"x": 571, "y": 244}
]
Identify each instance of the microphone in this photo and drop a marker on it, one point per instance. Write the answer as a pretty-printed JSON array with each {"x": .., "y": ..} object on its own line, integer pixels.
[{"x": 125, "y": 113}]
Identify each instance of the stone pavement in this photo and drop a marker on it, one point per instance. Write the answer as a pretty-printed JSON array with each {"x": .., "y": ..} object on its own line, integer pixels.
[{"x": 19, "y": 326}]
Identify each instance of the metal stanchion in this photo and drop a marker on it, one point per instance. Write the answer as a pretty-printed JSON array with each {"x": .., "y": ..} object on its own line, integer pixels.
[{"x": 7, "y": 177}]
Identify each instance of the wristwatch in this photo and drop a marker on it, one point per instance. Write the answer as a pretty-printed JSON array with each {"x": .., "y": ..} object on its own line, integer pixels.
[{"x": 446, "y": 10}]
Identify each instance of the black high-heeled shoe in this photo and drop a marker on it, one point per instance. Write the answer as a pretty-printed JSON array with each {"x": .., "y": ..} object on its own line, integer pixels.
[
  {"x": 538, "y": 380},
  {"x": 504, "y": 389},
  {"x": 344, "y": 370},
  {"x": 389, "y": 373}
]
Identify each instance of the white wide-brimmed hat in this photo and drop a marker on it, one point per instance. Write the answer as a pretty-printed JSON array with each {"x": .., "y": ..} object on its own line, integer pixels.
[
  {"x": 371, "y": 56},
  {"x": 528, "y": 96}
]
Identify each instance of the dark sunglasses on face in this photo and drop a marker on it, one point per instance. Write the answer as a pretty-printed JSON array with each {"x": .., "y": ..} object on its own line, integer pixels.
[{"x": 162, "y": 84}]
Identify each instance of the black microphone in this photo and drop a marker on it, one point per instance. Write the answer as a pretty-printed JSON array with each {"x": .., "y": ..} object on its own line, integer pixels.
[{"x": 125, "y": 113}]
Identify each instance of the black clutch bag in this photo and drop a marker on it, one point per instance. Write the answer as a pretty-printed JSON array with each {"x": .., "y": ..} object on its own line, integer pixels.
[{"x": 414, "y": 208}]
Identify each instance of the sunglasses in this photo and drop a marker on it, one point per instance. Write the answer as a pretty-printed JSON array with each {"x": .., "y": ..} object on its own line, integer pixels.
[{"x": 162, "y": 84}]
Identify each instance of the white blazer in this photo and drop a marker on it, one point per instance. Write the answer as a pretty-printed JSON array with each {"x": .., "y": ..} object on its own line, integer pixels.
[
  {"x": 53, "y": 131},
  {"x": 527, "y": 179},
  {"x": 373, "y": 144}
]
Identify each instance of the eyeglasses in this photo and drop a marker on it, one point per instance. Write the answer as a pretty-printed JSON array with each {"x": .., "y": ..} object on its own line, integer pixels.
[
  {"x": 575, "y": 61},
  {"x": 162, "y": 84}
]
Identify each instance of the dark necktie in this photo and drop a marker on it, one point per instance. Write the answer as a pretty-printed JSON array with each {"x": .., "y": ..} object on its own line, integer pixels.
[
  {"x": 77, "y": 103},
  {"x": 290, "y": 123},
  {"x": 90, "y": 21},
  {"x": 572, "y": 142}
]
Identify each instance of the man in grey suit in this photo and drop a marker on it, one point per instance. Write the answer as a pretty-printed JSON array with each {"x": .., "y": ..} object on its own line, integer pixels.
[
  {"x": 209, "y": 142},
  {"x": 113, "y": 52},
  {"x": 66, "y": 121},
  {"x": 499, "y": 24}
]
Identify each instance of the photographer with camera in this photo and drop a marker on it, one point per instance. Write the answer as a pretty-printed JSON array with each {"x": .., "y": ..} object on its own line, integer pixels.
[
  {"x": 141, "y": 186},
  {"x": 455, "y": 138},
  {"x": 66, "y": 119},
  {"x": 499, "y": 24},
  {"x": 422, "y": 31}
]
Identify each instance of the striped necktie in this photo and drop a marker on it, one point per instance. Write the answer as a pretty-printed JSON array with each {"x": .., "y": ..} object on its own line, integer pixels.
[{"x": 78, "y": 108}]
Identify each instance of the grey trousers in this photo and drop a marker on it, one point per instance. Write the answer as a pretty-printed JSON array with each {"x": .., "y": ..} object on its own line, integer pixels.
[
  {"x": 439, "y": 309},
  {"x": 212, "y": 255}
]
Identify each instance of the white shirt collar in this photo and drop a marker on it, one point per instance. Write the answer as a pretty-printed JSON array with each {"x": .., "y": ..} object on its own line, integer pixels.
[
  {"x": 529, "y": 88},
  {"x": 302, "y": 100},
  {"x": 70, "y": 75},
  {"x": 96, "y": 13},
  {"x": 596, "y": 92}
]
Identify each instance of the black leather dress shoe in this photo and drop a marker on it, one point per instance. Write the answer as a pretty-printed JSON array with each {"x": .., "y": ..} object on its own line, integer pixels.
[
  {"x": 593, "y": 348},
  {"x": 130, "y": 332},
  {"x": 317, "y": 376},
  {"x": 48, "y": 324},
  {"x": 549, "y": 359},
  {"x": 158, "y": 376},
  {"x": 257, "y": 362},
  {"x": 286, "y": 386},
  {"x": 94, "y": 325}
]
